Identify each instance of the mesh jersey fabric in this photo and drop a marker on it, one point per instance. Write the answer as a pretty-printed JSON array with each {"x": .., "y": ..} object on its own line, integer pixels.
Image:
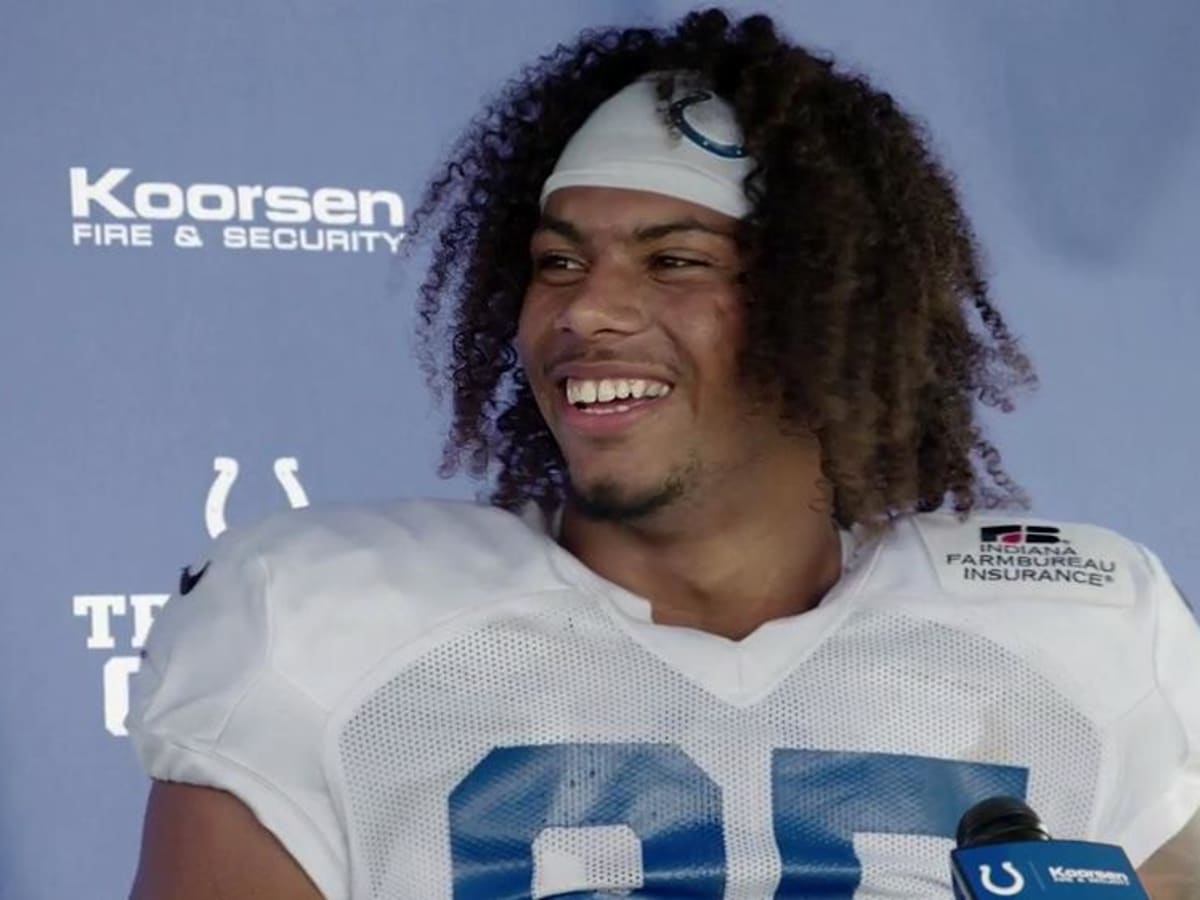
[{"x": 428, "y": 699}]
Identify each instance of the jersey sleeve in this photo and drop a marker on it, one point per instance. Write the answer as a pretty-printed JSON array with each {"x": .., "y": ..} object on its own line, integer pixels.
[
  {"x": 208, "y": 708},
  {"x": 1161, "y": 783}
]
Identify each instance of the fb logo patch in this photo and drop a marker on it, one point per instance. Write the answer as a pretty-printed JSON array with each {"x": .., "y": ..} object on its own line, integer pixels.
[{"x": 1019, "y": 534}]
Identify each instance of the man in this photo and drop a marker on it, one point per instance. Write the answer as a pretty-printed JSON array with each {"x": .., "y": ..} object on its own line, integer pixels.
[{"x": 710, "y": 306}]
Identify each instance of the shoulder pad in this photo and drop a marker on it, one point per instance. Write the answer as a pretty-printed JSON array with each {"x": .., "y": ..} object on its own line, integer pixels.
[
  {"x": 374, "y": 578},
  {"x": 452, "y": 547}
]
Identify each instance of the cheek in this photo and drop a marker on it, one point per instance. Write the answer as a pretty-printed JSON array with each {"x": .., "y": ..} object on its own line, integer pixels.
[
  {"x": 533, "y": 325},
  {"x": 711, "y": 334},
  {"x": 528, "y": 330}
]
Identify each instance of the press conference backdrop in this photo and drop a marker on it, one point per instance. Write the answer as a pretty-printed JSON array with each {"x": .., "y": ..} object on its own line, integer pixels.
[{"x": 175, "y": 360}]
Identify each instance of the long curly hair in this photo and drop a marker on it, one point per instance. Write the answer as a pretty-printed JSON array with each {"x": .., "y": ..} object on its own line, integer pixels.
[{"x": 866, "y": 305}]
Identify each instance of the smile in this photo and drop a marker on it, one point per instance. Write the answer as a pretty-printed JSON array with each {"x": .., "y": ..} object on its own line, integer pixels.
[
  {"x": 604, "y": 394},
  {"x": 606, "y": 406}
]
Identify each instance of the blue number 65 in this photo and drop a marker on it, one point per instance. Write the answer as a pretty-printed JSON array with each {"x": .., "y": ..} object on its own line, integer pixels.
[{"x": 820, "y": 800}]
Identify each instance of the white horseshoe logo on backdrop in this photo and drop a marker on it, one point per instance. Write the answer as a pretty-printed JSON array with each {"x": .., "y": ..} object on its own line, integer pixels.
[
  {"x": 1010, "y": 890},
  {"x": 286, "y": 468},
  {"x": 226, "y": 468}
]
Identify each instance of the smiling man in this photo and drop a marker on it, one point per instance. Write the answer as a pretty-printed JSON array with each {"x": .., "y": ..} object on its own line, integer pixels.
[
  {"x": 631, "y": 333},
  {"x": 734, "y": 624}
]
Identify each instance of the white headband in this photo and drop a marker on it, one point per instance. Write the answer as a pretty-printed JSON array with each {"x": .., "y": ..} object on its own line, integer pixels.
[{"x": 626, "y": 143}]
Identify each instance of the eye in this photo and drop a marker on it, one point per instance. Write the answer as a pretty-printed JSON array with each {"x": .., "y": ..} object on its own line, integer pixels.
[
  {"x": 671, "y": 261},
  {"x": 557, "y": 268},
  {"x": 556, "y": 261}
]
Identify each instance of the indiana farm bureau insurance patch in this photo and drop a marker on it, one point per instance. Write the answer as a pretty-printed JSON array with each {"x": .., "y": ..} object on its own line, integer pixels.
[{"x": 1065, "y": 560}]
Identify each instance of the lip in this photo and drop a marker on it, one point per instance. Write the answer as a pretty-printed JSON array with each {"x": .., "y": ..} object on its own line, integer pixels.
[{"x": 598, "y": 371}]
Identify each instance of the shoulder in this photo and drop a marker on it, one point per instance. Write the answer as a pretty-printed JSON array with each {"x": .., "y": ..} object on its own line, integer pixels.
[
  {"x": 460, "y": 541},
  {"x": 312, "y": 598},
  {"x": 1095, "y": 614},
  {"x": 1016, "y": 558},
  {"x": 319, "y": 593},
  {"x": 242, "y": 672},
  {"x": 1078, "y": 593},
  {"x": 1090, "y": 609}
]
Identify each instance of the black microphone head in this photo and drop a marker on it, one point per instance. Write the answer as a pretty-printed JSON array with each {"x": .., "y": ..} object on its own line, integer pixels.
[{"x": 998, "y": 820}]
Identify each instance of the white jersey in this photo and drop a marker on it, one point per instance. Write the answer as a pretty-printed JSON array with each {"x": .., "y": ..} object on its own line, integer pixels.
[{"x": 431, "y": 700}]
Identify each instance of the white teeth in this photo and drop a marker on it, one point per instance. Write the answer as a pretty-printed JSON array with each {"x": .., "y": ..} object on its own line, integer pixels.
[{"x": 606, "y": 390}]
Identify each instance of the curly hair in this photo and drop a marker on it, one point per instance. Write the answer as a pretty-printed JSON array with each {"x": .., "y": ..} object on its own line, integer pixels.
[{"x": 866, "y": 306}]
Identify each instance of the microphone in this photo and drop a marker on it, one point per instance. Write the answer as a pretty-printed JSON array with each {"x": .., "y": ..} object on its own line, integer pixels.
[{"x": 1004, "y": 850}]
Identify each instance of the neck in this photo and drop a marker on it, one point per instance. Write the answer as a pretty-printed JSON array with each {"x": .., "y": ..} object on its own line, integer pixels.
[{"x": 726, "y": 563}]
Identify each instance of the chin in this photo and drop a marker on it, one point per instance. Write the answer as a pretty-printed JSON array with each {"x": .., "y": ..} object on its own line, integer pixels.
[{"x": 610, "y": 501}]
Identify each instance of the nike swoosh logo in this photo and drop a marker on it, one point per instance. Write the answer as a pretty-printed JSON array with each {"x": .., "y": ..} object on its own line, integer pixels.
[{"x": 188, "y": 580}]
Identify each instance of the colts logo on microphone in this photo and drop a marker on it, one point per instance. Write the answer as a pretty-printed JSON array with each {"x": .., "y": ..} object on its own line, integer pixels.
[{"x": 1012, "y": 885}]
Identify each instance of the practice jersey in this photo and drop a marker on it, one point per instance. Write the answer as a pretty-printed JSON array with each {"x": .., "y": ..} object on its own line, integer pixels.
[{"x": 429, "y": 699}]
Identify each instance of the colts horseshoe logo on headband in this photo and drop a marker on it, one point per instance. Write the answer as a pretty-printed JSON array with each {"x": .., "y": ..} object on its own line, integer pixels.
[{"x": 677, "y": 112}]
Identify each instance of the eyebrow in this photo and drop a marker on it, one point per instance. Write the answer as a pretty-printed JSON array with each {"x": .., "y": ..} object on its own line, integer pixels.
[{"x": 642, "y": 234}]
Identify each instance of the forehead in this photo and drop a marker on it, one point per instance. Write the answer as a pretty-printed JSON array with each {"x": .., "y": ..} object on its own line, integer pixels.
[{"x": 622, "y": 211}]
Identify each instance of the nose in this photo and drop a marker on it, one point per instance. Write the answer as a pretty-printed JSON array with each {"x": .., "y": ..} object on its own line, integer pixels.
[{"x": 608, "y": 299}]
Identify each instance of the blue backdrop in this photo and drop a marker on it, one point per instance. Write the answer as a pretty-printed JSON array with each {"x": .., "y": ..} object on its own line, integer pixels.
[{"x": 202, "y": 320}]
